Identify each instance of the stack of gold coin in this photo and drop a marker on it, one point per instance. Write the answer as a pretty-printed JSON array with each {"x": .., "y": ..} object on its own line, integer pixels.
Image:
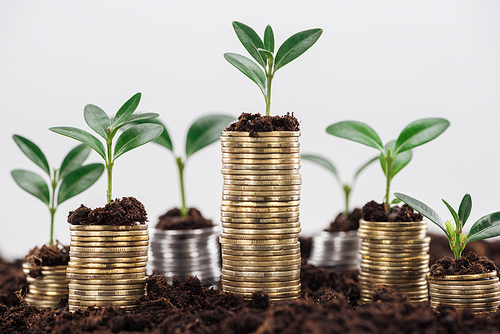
[
  {"x": 480, "y": 292},
  {"x": 107, "y": 265},
  {"x": 46, "y": 290},
  {"x": 394, "y": 254},
  {"x": 260, "y": 213}
]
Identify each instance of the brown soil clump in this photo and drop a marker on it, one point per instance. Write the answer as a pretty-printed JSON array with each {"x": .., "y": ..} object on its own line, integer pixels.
[
  {"x": 254, "y": 123},
  {"x": 120, "y": 212},
  {"x": 375, "y": 212},
  {"x": 343, "y": 223},
  {"x": 55, "y": 255},
  {"x": 305, "y": 247},
  {"x": 173, "y": 220},
  {"x": 467, "y": 264}
]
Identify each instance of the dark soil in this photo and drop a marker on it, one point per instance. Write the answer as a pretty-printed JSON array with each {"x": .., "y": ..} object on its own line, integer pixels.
[
  {"x": 172, "y": 220},
  {"x": 467, "y": 264},
  {"x": 254, "y": 123},
  {"x": 120, "y": 212},
  {"x": 345, "y": 223},
  {"x": 375, "y": 212},
  {"x": 55, "y": 255}
]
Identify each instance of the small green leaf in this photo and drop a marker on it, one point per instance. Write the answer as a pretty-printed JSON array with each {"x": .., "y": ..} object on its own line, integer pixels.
[
  {"x": 322, "y": 162},
  {"x": 97, "y": 119},
  {"x": 81, "y": 136},
  {"x": 463, "y": 237},
  {"x": 395, "y": 201},
  {"x": 295, "y": 46},
  {"x": 250, "y": 40},
  {"x": 79, "y": 180},
  {"x": 465, "y": 209},
  {"x": 423, "y": 209},
  {"x": 205, "y": 131},
  {"x": 163, "y": 140},
  {"x": 74, "y": 160},
  {"x": 137, "y": 118},
  {"x": 420, "y": 132},
  {"x": 399, "y": 162},
  {"x": 136, "y": 136},
  {"x": 32, "y": 183},
  {"x": 126, "y": 110},
  {"x": 368, "y": 163},
  {"x": 453, "y": 214},
  {"x": 450, "y": 229},
  {"x": 33, "y": 152},
  {"x": 269, "y": 39},
  {"x": 358, "y": 132},
  {"x": 248, "y": 68},
  {"x": 266, "y": 54},
  {"x": 485, "y": 227}
]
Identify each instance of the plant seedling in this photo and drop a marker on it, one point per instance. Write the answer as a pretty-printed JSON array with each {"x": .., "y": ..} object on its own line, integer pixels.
[
  {"x": 395, "y": 155},
  {"x": 71, "y": 178},
  {"x": 99, "y": 121},
  {"x": 485, "y": 227},
  {"x": 266, "y": 61},
  {"x": 347, "y": 188}
]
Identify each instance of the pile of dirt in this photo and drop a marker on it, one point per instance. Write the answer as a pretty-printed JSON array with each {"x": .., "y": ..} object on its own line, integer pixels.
[
  {"x": 344, "y": 223},
  {"x": 173, "y": 220},
  {"x": 254, "y": 123},
  {"x": 54, "y": 255},
  {"x": 467, "y": 264},
  {"x": 375, "y": 212}
]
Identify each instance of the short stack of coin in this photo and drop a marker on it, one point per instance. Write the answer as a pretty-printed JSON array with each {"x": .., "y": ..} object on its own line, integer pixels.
[
  {"x": 186, "y": 253},
  {"x": 336, "y": 250},
  {"x": 260, "y": 213},
  {"x": 394, "y": 254},
  {"x": 480, "y": 292},
  {"x": 107, "y": 265},
  {"x": 48, "y": 289}
]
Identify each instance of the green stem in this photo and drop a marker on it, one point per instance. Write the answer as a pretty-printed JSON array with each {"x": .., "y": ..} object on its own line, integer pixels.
[
  {"x": 458, "y": 250},
  {"x": 347, "y": 192},
  {"x": 388, "y": 172},
  {"x": 109, "y": 172},
  {"x": 269, "y": 75},
  {"x": 180, "y": 166},
  {"x": 53, "y": 207}
]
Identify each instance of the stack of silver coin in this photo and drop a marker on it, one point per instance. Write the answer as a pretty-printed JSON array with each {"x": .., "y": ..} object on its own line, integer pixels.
[
  {"x": 394, "y": 254},
  {"x": 260, "y": 213},
  {"x": 48, "y": 289},
  {"x": 185, "y": 253},
  {"x": 480, "y": 292},
  {"x": 336, "y": 250},
  {"x": 107, "y": 265}
]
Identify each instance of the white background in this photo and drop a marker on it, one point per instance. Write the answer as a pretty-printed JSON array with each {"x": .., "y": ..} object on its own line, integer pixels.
[{"x": 386, "y": 63}]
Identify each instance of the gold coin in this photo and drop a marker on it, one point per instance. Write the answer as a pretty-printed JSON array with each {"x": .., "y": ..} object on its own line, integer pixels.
[
  {"x": 73, "y": 276},
  {"x": 277, "y": 220},
  {"x": 273, "y": 296},
  {"x": 45, "y": 268},
  {"x": 102, "y": 303},
  {"x": 246, "y": 254},
  {"x": 109, "y": 244},
  {"x": 242, "y": 209},
  {"x": 110, "y": 239},
  {"x": 133, "y": 233},
  {"x": 106, "y": 298},
  {"x": 290, "y": 288},
  {"x": 465, "y": 297},
  {"x": 109, "y": 255},
  {"x": 260, "y": 150},
  {"x": 254, "y": 162},
  {"x": 398, "y": 264},
  {"x": 469, "y": 285},
  {"x": 447, "y": 292},
  {"x": 259, "y": 139},
  {"x": 261, "y": 268},
  {"x": 370, "y": 255},
  {"x": 260, "y": 214},
  {"x": 262, "y": 258},
  {"x": 363, "y": 222},
  {"x": 412, "y": 229},
  {"x": 372, "y": 236},
  {"x": 270, "y": 144},
  {"x": 263, "y": 226},
  {"x": 261, "y": 274},
  {"x": 480, "y": 304},
  {"x": 267, "y": 264},
  {"x": 261, "y": 231},
  {"x": 117, "y": 292},
  {"x": 231, "y": 171},
  {"x": 261, "y": 198},
  {"x": 52, "y": 274},
  {"x": 59, "y": 293},
  {"x": 34, "y": 297},
  {"x": 102, "y": 288},
  {"x": 463, "y": 277},
  {"x": 262, "y": 280},
  {"x": 107, "y": 227},
  {"x": 75, "y": 260},
  {"x": 268, "y": 248},
  {"x": 261, "y": 134},
  {"x": 258, "y": 284},
  {"x": 424, "y": 241},
  {"x": 262, "y": 167},
  {"x": 76, "y": 270},
  {"x": 90, "y": 265},
  {"x": 113, "y": 282},
  {"x": 260, "y": 193},
  {"x": 46, "y": 281},
  {"x": 245, "y": 177},
  {"x": 259, "y": 236},
  {"x": 391, "y": 251},
  {"x": 260, "y": 188},
  {"x": 395, "y": 247},
  {"x": 252, "y": 206},
  {"x": 109, "y": 249},
  {"x": 262, "y": 183},
  {"x": 253, "y": 156},
  {"x": 395, "y": 280}
]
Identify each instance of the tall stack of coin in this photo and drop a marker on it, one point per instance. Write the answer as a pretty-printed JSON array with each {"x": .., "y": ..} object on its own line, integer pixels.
[
  {"x": 394, "y": 254},
  {"x": 480, "y": 292},
  {"x": 336, "y": 250},
  {"x": 260, "y": 213},
  {"x": 184, "y": 253},
  {"x": 107, "y": 265},
  {"x": 48, "y": 289}
]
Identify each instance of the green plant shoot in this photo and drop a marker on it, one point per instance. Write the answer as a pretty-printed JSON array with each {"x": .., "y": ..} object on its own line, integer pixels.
[
  {"x": 485, "y": 227},
  {"x": 262, "y": 70},
  {"x": 395, "y": 155},
  {"x": 346, "y": 187},
  {"x": 107, "y": 128},
  {"x": 69, "y": 180}
]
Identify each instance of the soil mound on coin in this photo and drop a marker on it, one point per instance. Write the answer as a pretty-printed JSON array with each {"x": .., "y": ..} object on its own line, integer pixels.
[
  {"x": 375, "y": 212},
  {"x": 468, "y": 264},
  {"x": 55, "y": 255},
  {"x": 172, "y": 220},
  {"x": 344, "y": 223},
  {"x": 254, "y": 123}
]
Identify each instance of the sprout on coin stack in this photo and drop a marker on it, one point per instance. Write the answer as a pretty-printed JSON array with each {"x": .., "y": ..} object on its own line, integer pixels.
[
  {"x": 465, "y": 281},
  {"x": 45, "y": 267},
  {"x": 394, "y": 244},
  {"x": 109, "y": 246},
  {"x": 261, "y": 189}
]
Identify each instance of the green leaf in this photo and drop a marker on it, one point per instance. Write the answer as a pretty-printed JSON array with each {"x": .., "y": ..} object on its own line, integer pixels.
[
  {"x": 248, "y": 68},
  {"x": 81, "y": 136},
  {"x": 423, "y": 209},
  {"x": 358, "y": 132},
  {"x": 368, "y": 163},
  {"x": 266, "y": 54},
  {"x": 205, "y": 131},
  {"x": 295, "y": 46},
  {"x": 163, "y": 140},
  {"x": 399, "y": 162},
  {"x": 33, "y": 152},
  {"x": 97, "y": 119},
  {"x": 138, "y": 118},
  {"x": 395, "y": 201},
  {"x": 485, "y": 227},
  {"x": 74, "y": 160},
  {"x": 322, "y": 162},
  {"x": 465, "y": 209},
  {"x": 420, "y": 132},
  {"x": 250, "y": 40},
  {"x": 126, "y": 110},
  {"x": 78, "y": 181},
  {"x": 32, "y": 183},
  {"x": 269, "y": 39},
  {"x": 453, "y": 214},
  {"x": 136, "y": 136}
]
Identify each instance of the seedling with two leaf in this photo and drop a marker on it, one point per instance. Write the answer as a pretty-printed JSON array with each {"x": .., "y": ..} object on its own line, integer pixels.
[
  {"x": 485, "y": 227},
  {"x": 69, "y": 180},
  {"x": 395, "y": 155},
  {"x": 262, "y": 71},
  {"x": 136, "y": 135}
]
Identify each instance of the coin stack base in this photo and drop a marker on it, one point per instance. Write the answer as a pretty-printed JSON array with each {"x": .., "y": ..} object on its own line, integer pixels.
[
  {"x": 107, "y": 266},
  {"x": 48, "y": 289},
  {"x": 336, "y": 250},
  {"x": 480, "y": 292}
]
